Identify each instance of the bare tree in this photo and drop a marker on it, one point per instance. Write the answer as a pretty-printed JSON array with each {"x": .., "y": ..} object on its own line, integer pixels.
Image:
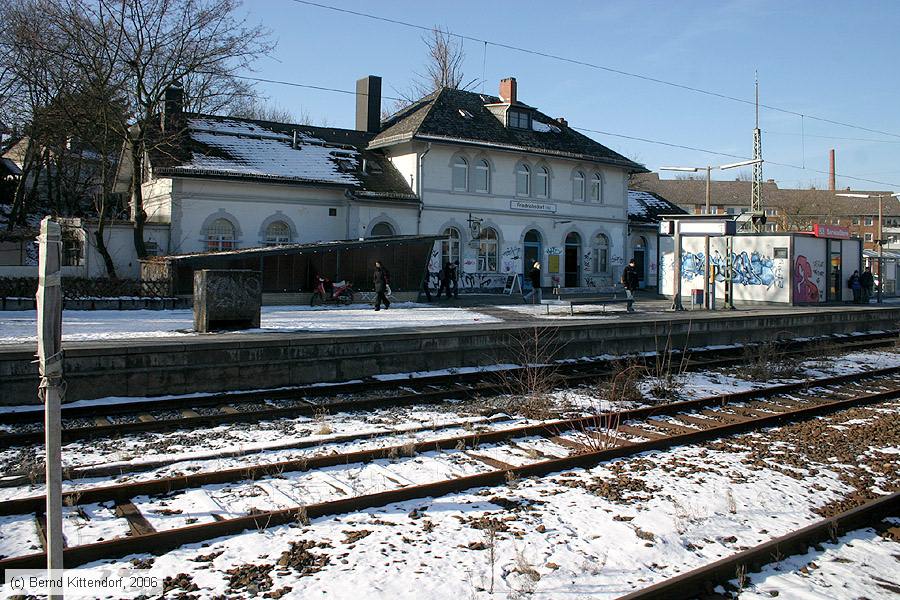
[
  {"x": 260, "y": 110},
  {"x": 443, "y": 68}
]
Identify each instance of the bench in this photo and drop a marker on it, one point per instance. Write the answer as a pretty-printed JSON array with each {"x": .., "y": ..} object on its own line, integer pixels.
[{"x": 573, "y": 301}]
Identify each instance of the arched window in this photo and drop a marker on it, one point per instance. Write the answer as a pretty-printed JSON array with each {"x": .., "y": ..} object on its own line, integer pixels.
[
  {"x": 220, "y": 235},
  {"x": 597, "y": 188},
  {"x": 482, "y": 177},
  {"x": 578, "y": 186},
  {"x": 487, "y": 251},
  {"x": 460, "y": 174},
  {"x": 278, "y": 232},
  {"x": 601, "y": 254},
  {"x": 523, "y": 180},
  {"x": 450, "y": 246},
  {"x": 381, "y": 229},
  {"x": 542, "y": 182}
]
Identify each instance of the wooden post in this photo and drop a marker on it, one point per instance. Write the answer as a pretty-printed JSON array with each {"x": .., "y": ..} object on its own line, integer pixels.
[{"x": 50, "y": 360}]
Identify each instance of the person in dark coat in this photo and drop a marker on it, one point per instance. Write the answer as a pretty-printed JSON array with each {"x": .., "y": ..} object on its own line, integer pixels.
[
  {"x": 444, "y": 277},
  {"x": 854, "y": 284},
  {"x": 630, "y": 280},
  {"x": 425, "y": 284},
  {"x": 535, "y": 276},
  {"x": 382, "y": 279},
  {"x": 454, "y": 279},
  {"x": 867, "y": 281}
]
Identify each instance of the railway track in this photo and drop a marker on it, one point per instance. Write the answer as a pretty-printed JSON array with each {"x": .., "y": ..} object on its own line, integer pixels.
[
  {"x": 86, "y": 422},
  {"x": 461, "y": 462}
]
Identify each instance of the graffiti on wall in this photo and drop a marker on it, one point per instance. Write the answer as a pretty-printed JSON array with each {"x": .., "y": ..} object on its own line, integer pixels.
[
  {"x": 651, "y": 267},
  {"x": 509, "y": 259},
  {"x": 587, "y": 262},
  {"x": 747, "y": 269},
  {"x": 805, "y": 288},
  {"x": 482, "y": 280},
  {"x": 553, "y": 250},
  {"x": 616, "y": 260}
]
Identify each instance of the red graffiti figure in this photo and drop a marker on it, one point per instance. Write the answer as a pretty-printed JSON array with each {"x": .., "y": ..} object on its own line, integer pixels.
[{"x": 804, "y": 289}]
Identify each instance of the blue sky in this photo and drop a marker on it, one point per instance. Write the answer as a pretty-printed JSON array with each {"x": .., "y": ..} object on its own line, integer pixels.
[{"x": 830, "y": 59}]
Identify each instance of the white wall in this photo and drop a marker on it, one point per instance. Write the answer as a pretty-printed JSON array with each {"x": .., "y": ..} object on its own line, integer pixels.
[
  {"x": 758, "y": 275},
  {"x": 851, "y": 258},
  {"x": 445, "y": 207},
  {"x": 119, "y": 242}
]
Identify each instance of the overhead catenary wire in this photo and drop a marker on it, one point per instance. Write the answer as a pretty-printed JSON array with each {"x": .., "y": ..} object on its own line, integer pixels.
[
  {"x": 585, "y": 129},
  {"x": 596, "y": 66}
]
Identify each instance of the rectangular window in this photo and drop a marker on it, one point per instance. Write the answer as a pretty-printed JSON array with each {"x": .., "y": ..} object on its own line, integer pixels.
[
  {"x": 460, "y": 171},
  {"x": 771, "y": 227},
  {"x": 869, "y": 221},
  {"x": 732, "y": 210},
  {"x": 481, "y": 178},
  {"x": 332, "y": 212},
  {"x": 869, "y": 237},
  {"x": 602, "y": 265},
  {"x": 855, "y": 220},
  {"x": 835, "y": 221},
  {"x": 781, "y": 253},
  {"x": 517, "y": 119},
  {"x": 770, "y": 212}
]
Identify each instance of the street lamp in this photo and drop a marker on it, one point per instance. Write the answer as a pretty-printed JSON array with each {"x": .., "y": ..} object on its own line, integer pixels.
[
  {"x": 710, "y": 281},
  {"x": 880, "y": 240}
]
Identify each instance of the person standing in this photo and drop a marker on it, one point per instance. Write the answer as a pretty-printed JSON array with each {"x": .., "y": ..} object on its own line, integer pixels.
[
  {"x": 867, "y": 281},
  {"x": 382, "y": 279},
  {"x": 854, "y": 284},
  {"x": 454, "y": 279},
  {"x": 630, "y": 281},
  {"x": 444, "y": 277},
  {"x": 535, "y": 276}
]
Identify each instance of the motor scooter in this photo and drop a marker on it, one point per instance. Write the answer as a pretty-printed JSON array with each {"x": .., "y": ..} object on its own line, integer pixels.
[{"x": 327, "y": 291}]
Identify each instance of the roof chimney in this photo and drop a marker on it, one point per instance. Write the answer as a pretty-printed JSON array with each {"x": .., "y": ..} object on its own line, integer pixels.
[
  {"x": 368, "y": 104},
  {"x": 508, "y": 90},
  {"x": 831, "y": 171},
  {"x": 173, "y": 104},
  {"x": 562, "y": 121}
]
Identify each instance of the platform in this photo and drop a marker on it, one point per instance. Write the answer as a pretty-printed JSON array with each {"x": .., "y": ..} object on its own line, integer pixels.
[{"x": 187, "y": 363}]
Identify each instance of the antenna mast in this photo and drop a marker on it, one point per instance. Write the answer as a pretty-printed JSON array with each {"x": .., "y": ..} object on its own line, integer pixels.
[{"x": 756, "y": 205}]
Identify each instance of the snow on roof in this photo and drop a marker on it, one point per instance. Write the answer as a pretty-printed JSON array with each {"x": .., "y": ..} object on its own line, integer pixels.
[
  {"x": 242, "y": 148},
  {"x": 544, "y": 127},
  {"x": 645, "y": 206}
]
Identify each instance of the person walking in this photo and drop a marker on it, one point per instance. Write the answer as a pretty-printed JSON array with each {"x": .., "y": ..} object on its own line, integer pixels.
[
  {"x": 535, "y": 276},
  {"x": 854, "y": 284},
  {"x": 630, "y": 281},
  {"x": 382, "y": 280},
  {"x": 454, "y": 279},
  {"x": 867, "y": 281},
  {"x": 444, "y": 277}
]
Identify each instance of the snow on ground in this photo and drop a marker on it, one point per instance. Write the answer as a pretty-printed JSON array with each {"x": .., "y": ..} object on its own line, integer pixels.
[
  {"x": 862, "y": 564},
  {"x": 585, "y": 533},
  {"x": 79, "y": 325}
]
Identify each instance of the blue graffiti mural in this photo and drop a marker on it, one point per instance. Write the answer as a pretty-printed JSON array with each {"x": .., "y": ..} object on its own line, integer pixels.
[{"x": 747, "y": 269}]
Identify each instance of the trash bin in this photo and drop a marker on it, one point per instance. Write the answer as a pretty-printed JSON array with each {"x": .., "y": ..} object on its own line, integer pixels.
[{"x": 697, "y": 297}]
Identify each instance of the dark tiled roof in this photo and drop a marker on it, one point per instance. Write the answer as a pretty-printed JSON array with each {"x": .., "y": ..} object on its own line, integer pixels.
[
  {"x": 235, "y": 148},
  {"x": 646, "y": 207},
  {"x": 463, "y": 117},
  {"x": 689, "y": 193}
]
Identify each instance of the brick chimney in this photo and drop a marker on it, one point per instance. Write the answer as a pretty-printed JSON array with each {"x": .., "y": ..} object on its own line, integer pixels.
[
  {"x": 173, "y": 104},
  {"x": 831, "y": 185},
  {"x": 368, "y": 104},
  {"x": 508, "y": 90}
]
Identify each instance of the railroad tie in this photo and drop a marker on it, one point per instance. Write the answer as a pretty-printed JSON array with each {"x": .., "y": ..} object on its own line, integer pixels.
[
  {"x": 673, "y": 427},
  {"x": 189, "y": 414},
  {"x": 146, "y": 418},
  {"x": 491, "y": 462},
  {"x": 641, "y": 432},
  {"x": 102, "y": 422},
  {"x": 136, "y": 521},
  {"x": 40, "y": 520},
  {"x": 228, "y": 410},
  {"x": 724, "y": 416},
  {"x": 700, "y": 422},
  {"x": 570, "y": 444}
]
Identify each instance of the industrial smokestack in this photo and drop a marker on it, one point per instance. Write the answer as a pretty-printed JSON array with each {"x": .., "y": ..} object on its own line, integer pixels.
[{"x": 831, "y": 185}]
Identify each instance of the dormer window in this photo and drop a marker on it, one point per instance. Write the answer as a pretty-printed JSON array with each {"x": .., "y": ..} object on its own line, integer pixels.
[{"x": 518, "y": 119}]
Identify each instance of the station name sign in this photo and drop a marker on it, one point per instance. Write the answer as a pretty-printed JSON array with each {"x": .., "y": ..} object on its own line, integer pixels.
[
  {"x": 538, "y": 206},
  {"x": 831, "y": 231}
]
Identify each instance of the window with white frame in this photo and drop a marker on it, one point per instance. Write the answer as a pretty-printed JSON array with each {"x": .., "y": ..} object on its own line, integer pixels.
[
  {"x": 487, "y": 251},
  {"x": 855, "y": 220},
  {"x": 870, "y": 221},
  {"x": 578, "y": 186},
  {"x": 835, "y": 221},
  {"x": 523, "y": 180},
  {"x": 601, "y": 254},
  {"x": 542, "y": 182},
  {"x": 450, "y": 246},
  {"x": 278, "y": 232},
  {"x": 220, "y": 235},
  {"x": 460, "y": 174},
  {"x": 870, "y": 237},
  {"x": 482, "y": 177},
  {"x": 597, "y": 188}
]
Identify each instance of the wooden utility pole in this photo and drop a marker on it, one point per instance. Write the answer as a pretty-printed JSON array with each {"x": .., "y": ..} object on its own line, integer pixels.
[{"x": 50, "y": 361}]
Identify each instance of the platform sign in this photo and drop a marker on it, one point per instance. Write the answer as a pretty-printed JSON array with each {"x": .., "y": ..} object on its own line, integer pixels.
[{"x": 712, "y": 228}]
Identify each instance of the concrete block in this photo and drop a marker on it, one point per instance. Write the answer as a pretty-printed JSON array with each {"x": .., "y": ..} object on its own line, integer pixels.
[{"x": 227, "y": 300}]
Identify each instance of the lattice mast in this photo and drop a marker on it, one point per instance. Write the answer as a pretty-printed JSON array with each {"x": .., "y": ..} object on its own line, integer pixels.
[{"x": 756, "y": 204}]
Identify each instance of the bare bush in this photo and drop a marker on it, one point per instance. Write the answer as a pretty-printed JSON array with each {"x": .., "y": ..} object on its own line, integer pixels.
[
  {"x": 764, "y": 362},
  {"x": 528, "y": 387}
]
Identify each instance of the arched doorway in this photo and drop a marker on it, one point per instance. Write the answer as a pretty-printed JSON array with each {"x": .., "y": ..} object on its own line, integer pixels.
[
  {"x": 573, "y": 260},
  {"x": 639, "y": 252},
  {"x": 531, "y": 251}
]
